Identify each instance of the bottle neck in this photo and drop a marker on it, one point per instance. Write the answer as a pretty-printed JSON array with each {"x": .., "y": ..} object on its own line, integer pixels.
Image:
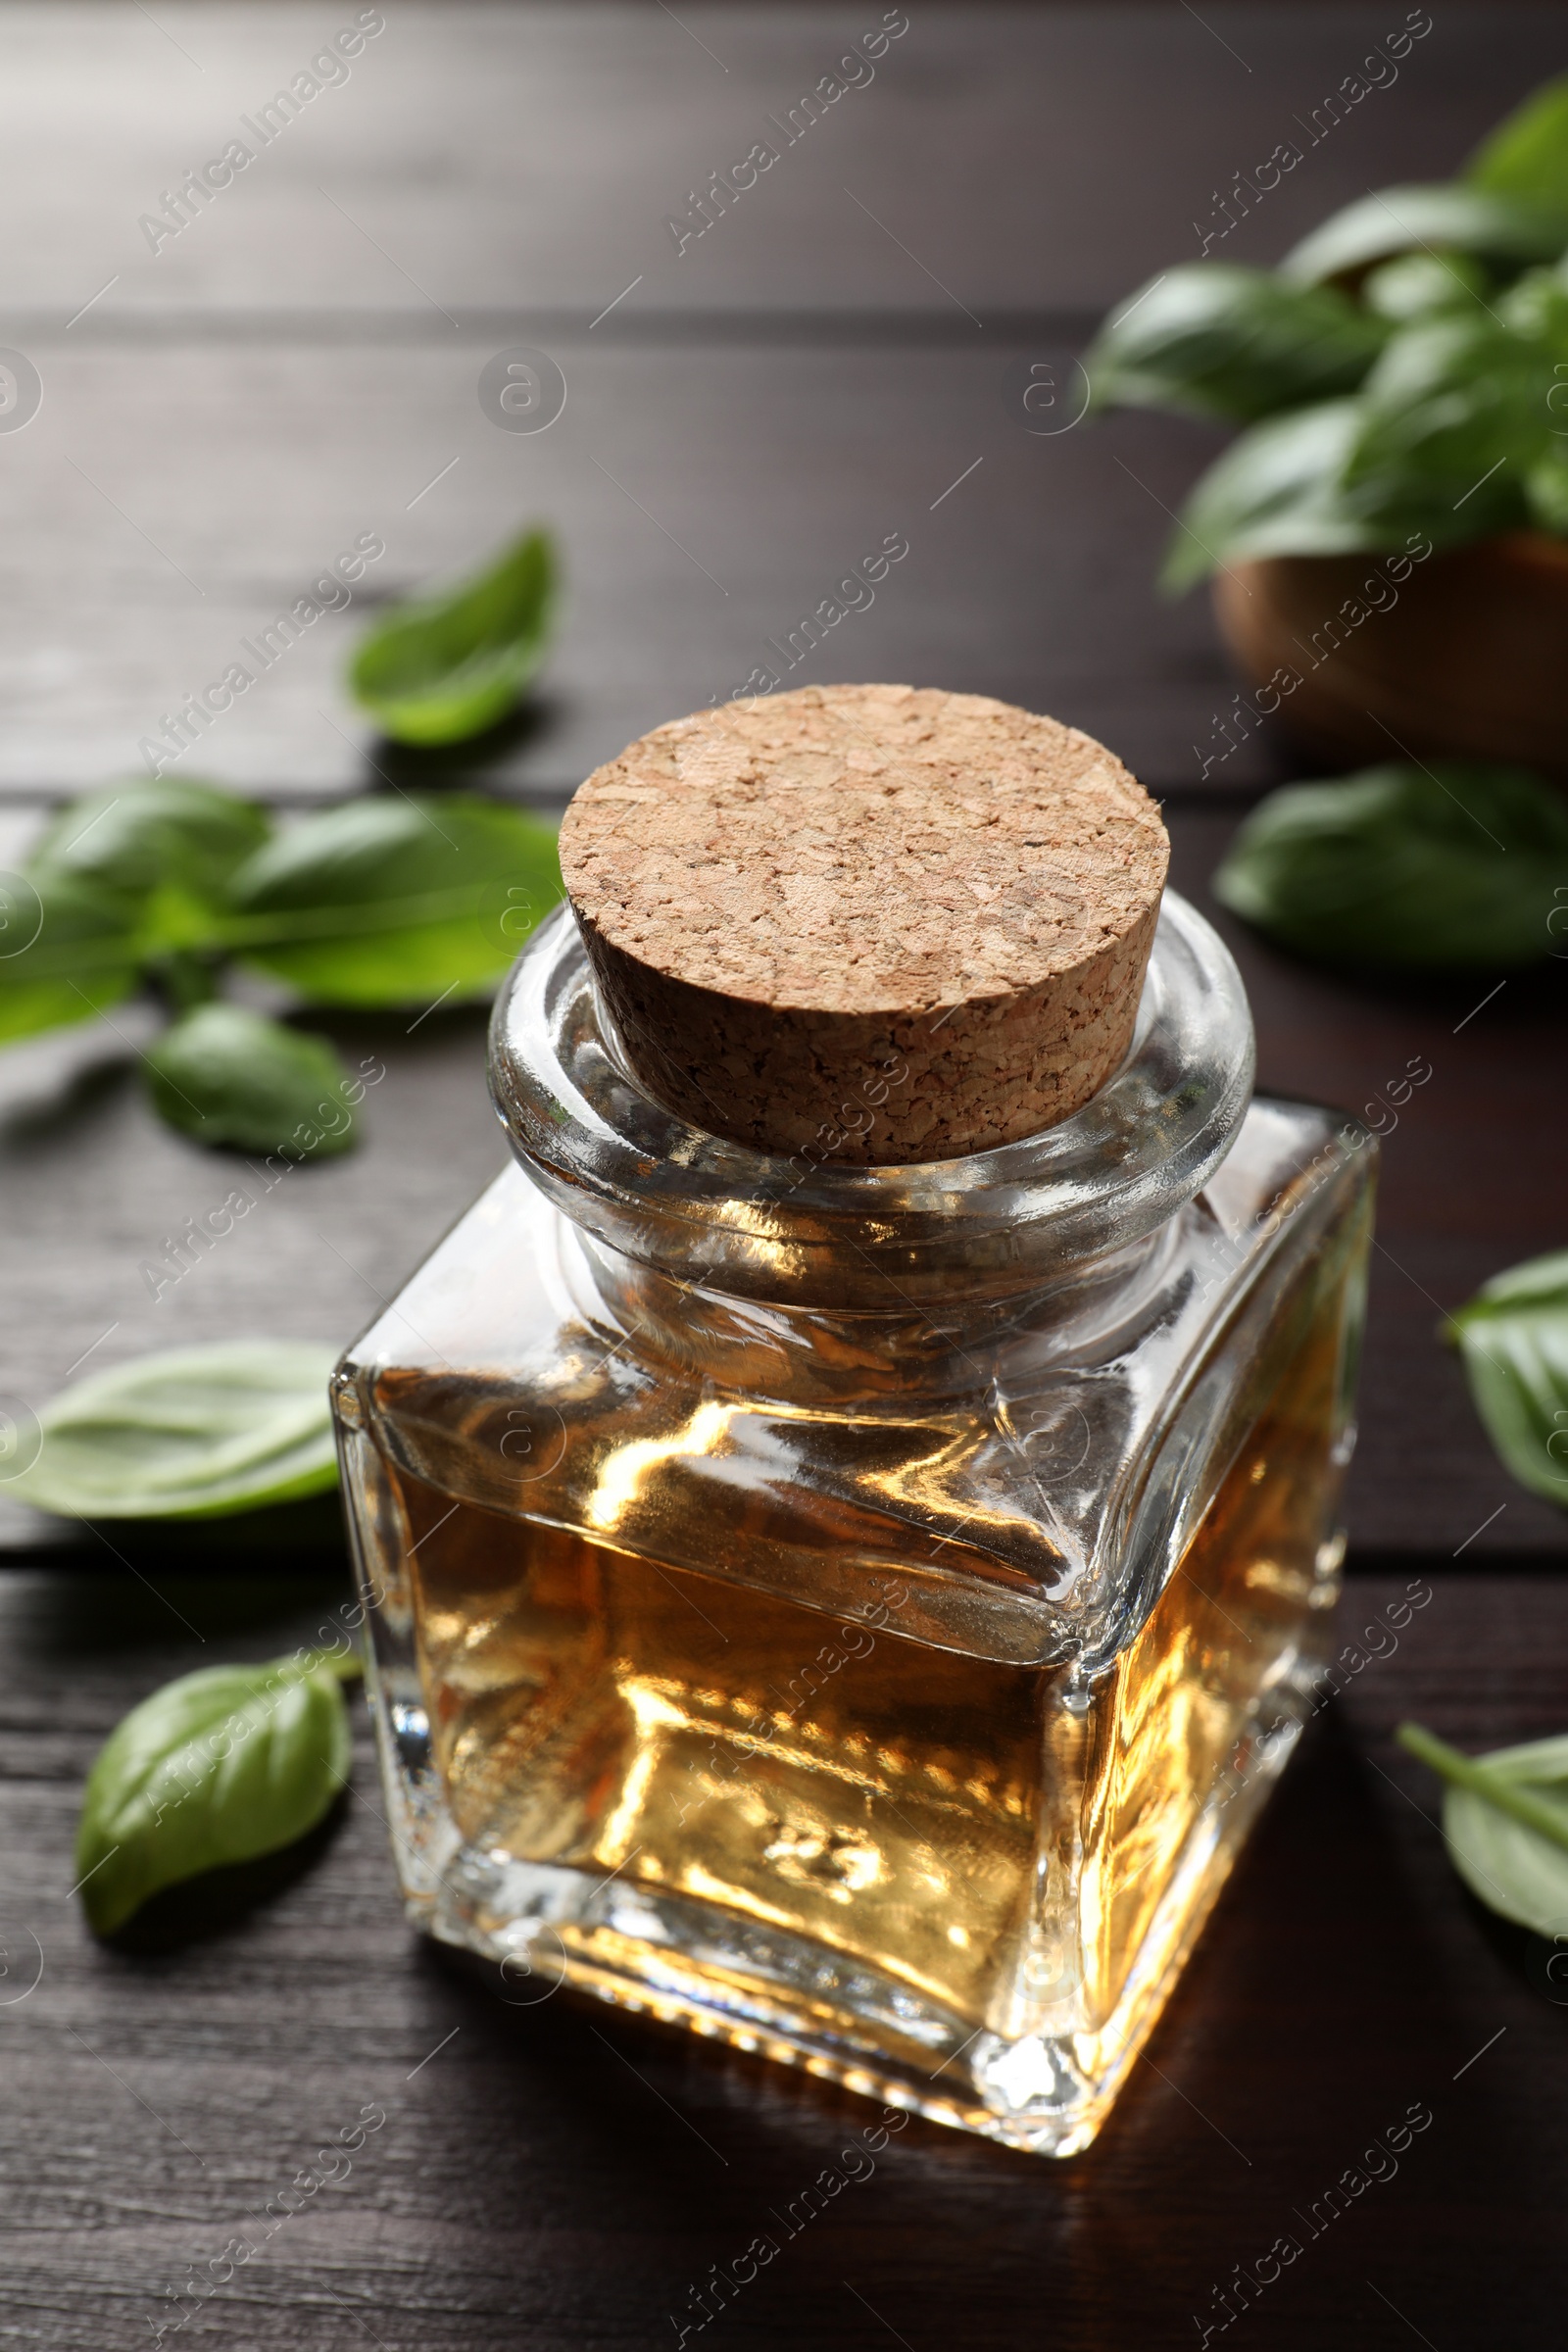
[
  {"x": 853, "y": 1254},
  {"x": 959, "y": 1345}
]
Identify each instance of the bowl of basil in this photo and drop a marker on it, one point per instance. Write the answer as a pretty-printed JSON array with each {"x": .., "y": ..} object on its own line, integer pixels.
[{"x": 1388, "y": 536}]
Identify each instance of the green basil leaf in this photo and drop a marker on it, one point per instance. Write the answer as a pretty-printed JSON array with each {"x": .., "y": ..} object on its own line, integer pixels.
[
  {"x": 1423, "y": 285},
  {"x": 1274, "y": 492},
  {"x": 1505, "y": 229},
  {"x": 396, "y": 902},
  {"x": 1527, "y": 155},
  {"x": 1227, "y": 341},
  {"x": 1513, "y": 1338},
  {"x": 66, "y": 952},
  {"x": 230, "y": 1076},
  {"x": 188, "y": 1433},
  {"x": 1505, "y": 1825},
  {"x": 134, "y": 837},
  {"x": 1547, "y": 489},
  {"x": 1536, "y": 305},
  {"x": 219, "y": 1767},
  {"x": 441, "y": 668},
  {"x": 1451, "y": 867},
  {"x": 1452, "y": 418}
]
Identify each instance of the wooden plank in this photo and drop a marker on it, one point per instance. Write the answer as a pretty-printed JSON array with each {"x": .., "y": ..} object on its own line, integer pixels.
[
  {"x": 1037, "y": 158},
  {"x": 562, "y": 2177},
  {"x": 94, "y": 1183},
  {"x": 1467, "y": 1186},
  {"x": 173, "y": 493},
  {"x": 706, "y": 503},
  {"x": 297, "y": 366}
]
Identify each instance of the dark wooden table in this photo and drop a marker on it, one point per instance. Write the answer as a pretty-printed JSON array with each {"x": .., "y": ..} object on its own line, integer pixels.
[{"x": 840, "y": 356}]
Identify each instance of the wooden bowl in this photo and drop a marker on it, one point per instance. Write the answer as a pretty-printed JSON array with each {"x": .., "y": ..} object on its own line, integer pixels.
[{"x": 1467, "y": 656}]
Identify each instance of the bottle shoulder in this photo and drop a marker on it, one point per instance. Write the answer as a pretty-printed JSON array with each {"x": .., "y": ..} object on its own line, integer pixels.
[{"x": 1029, "y": 1478}]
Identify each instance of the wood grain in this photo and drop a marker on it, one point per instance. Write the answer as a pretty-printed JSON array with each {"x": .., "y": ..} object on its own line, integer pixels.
[
  {"x": 705, "y": 501},
  {"x": 561, "y": 2177},
  {"x": 301, "y": 360},
  {"x": 1467, "y": 1186},
  {"x": 300, "y": 364},
  {"x": 517, "y": 156}
]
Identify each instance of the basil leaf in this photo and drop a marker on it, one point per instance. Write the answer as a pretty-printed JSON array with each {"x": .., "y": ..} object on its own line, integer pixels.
[
  {"x": 1527, "y": 155},
  {"x": 1421, "y": 286},
  {"x": 1505, "y": 229},
  {"x": 1505, "y": 1825},
  {"x": 187, "y": 1433},
  {"x": 230, "y": 1076},
  {"x": 441, "y": 668},
  {"x": 1547, "y": 489},
  {"x": 132, "y": 839},
  {"x": 219, "y": 1767},
  {"x": 66, "y": 952},
  {"x": 1227, "y": 341},
  {"x": 1451, "y": 417},
  {"x": 1513, "y": 1338},
  {"x": 396, "y": 902},
  {"x": 1405, "y": 867},
  {"x": 1536, "y": 305},
  {"x": 1274, "y": 492}
]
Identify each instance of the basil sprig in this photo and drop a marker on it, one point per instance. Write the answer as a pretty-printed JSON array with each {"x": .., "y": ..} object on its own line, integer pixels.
[
  {"x": 1452, "y": 216},
  {"x": 1461, "y": 866},
  {"x": 1423, "y": 285},
  {"x": 1227, "y": 341},
  {"x": 1527, "y": 156},
  {"x": 188, "y": 1433},
  {"x": 392, "y": 902},
  {"x": 158, "y": 834},
  {"x": 158, "y": 883},
  {"x": 1452, "y": 419},
  {"x": 1513, "y": 1338},
  {"x": 1402, "y": 371},
  {"x": 1505, "y": 1825},
  {"x": 1275, "y": 492},
  {"x": 220, "y": 1767},
  {"x": 443, "y": 668},
  {"x": 64, "y": 958}
]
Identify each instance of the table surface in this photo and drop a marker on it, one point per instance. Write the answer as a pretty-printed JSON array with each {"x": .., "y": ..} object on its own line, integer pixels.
[{"x": 840, "y": 356}]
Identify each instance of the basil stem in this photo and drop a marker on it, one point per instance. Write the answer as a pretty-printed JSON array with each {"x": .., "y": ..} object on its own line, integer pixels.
[{"x": 1465, "y": 1772}]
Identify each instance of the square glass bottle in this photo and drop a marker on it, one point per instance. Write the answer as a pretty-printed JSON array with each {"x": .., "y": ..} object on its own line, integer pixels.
[{"x": 859, "y": 1614}]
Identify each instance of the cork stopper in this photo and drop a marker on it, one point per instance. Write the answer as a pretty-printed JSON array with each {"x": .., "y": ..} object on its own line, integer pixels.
[{"x": 869, "y": 924}]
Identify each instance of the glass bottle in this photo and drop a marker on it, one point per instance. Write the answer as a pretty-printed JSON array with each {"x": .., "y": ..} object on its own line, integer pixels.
[{"x": 859, "y": 1612}]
